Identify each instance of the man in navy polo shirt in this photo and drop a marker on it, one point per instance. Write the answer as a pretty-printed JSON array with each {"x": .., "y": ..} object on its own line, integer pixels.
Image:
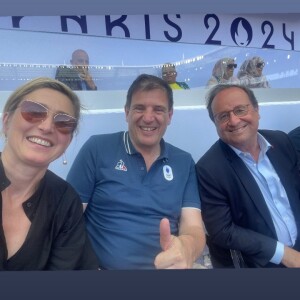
[{"x": 140, "y": 193}]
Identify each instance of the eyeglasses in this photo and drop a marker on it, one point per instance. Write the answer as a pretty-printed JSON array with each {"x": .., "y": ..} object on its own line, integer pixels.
[
  {"x": 231, "y": 66},
  {"x": 34, "y": 112},
  {"x": 260, "y": 65},
  {"x": 239, "y": 111},
  {"x": 169, "y": 74}
]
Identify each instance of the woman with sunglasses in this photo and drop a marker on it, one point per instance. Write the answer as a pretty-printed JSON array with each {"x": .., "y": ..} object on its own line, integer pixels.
[
  {"x": 251, "y": 73},
  {"x": 222, "y": 72},
  {"x": 41, "y": 220}
]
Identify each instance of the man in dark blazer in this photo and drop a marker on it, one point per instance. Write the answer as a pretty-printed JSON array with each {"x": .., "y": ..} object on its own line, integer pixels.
[
  {"x": 249, "y": 186},
  {"x": 77, "y": 76}
]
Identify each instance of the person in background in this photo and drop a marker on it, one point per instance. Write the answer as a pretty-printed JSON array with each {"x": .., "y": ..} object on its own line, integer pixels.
[
  {"x": 249, "y": 186},
  {"x": 223, "y": 72},
  {"x": 140, "y": 192},
  {"x": 251, "y": 75},
  {"x": 77, "y": 77},
  {"x": 169, "y": 74},
  {"x": 41, "y": 221}
]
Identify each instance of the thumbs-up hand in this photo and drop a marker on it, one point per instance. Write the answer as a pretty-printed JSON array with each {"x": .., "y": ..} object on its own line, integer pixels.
[
  {"x": 172, "y": 256},
  {"x": 165, "y": 234}
]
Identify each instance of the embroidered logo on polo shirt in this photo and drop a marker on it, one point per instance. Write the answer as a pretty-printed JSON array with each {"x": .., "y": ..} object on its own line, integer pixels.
[
  {"x": 121, "y": 166},
  {"x": 168, "y": 173}
]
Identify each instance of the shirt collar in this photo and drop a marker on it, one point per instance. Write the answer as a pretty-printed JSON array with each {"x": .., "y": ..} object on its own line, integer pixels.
[
  {"x": 30, "y": 205},
  {"x": 263, "y": 144},
  {"x": 4, "y": 181},
  {"x": 130, "y": 149}
]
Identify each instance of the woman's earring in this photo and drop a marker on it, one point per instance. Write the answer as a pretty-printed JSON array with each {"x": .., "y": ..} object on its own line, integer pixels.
[
  {"x": 65, "y": 162},
  {"x": 4, "y": 136}
]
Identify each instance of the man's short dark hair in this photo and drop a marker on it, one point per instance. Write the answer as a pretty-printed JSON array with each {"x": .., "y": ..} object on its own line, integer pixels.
[{"x": 146, "y": 82}]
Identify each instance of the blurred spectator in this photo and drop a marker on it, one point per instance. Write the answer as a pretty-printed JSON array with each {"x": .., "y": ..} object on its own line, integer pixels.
[
  {"x": 223, "y": 72},
  {"x": 77, "y": 77},
  {"x": 169, "y": 75},
  {"x": 251, "y": 73}
]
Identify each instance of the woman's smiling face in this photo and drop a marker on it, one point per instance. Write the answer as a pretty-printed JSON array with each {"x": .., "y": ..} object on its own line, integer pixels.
[{"x": 38, "y": 143}]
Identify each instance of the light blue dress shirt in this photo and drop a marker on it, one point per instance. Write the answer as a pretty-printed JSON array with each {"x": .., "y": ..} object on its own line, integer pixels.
[{"x": 274, "y": 195}]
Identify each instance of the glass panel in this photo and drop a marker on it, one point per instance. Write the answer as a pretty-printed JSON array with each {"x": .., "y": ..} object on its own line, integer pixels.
[{"x": 115, "y": 62}]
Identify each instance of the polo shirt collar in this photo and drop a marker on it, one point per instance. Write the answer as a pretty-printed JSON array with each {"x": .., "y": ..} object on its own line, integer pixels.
[{"x": 130, "y": 149}]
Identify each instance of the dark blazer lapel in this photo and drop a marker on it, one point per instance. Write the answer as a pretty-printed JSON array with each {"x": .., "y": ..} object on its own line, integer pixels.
[
  {"x": 250, "y": 185},
  {"x": 284, "y": 167},
  {"x": 280, "y": 167},
  {"x": 287, "y": 178}
]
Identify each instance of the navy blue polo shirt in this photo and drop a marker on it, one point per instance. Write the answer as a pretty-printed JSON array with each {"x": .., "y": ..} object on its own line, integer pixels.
[{"x": 125, "y": 202}]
